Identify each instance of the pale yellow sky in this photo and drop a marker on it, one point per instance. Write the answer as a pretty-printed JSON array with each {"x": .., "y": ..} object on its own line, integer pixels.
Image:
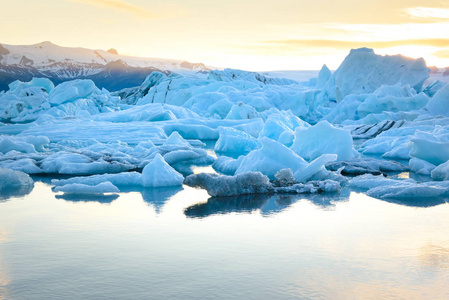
[{"x": 253, "y": 35}]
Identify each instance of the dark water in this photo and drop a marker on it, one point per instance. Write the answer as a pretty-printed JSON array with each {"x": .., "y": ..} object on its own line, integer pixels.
[{"x": 175, "y": 243}]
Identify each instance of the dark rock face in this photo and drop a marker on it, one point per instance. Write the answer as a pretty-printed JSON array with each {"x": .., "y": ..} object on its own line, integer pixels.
[
  {"x": 96, "y": 65},
  {"x": 191, "y": 66},
  {"x": 114, "y": 76}
]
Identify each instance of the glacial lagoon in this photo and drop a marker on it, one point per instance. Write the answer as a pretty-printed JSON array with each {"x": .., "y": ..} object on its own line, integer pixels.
[{"x": 178, "y": 243}]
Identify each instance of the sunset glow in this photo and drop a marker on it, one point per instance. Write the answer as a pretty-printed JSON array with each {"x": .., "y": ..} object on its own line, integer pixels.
[{"x": 253, "y": 35}]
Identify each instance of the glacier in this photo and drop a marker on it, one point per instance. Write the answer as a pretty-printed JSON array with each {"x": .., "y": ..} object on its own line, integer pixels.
[{"x": 375, "y": 116}]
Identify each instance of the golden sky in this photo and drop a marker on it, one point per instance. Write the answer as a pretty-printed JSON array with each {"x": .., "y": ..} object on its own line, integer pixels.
[{"x": 246, "y": 34}]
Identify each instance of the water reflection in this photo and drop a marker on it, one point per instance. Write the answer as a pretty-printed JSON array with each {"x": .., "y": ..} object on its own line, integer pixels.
[
  {"x": 224, "y": 205},
  {"x": 104, "y": 199},
  {"x": 435, "y": 255},
  {"x": 418, "y": 202},
  {"x": 159, "y": 196},
  {"x": 21, "y": 191},
  {"x": 267, "y": 204}
]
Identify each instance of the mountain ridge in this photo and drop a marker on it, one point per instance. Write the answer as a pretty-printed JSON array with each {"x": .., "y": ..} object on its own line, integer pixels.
[{"x": 107, "y": 69}]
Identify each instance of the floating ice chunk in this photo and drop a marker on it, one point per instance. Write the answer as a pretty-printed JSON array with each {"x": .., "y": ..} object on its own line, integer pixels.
[
  {"x": 195, "y": 155},
  {"x": 177, "y": 141},
  {"x": 78, "y": 164},
  {"x": 385, "y": 188},
  {"x": 369, "y": 131},
  {"x": 152, "y": 112},
  {"x": 233, "y": 140},
  {"x": 410, "y": 190},
  {"x": 120, "y": 179},
  {"x": 281, "y": 123},
  {"x": 11, "y": 144},
  {"x": 441, "y": 172},
  {"x": 202, "y": 103},
  {"x": 227, "y": 165},
  {"x": 26, "y": 165},
  {"x": 323, "y": 138},
  {"x": 159, "y": 174},
  {"x": 222, "y": 185},
  {"x": 255, "y": 183},
  {"x": 374, "y": 104},
  {"x": 220, "y": 108},
  {"x": 285, "y": 177},
  {"x": 323, "y": 76},
  {"x": 369, "y": 181},
  {"x": 39, "y": 142},
  {"x": 232, "y": 75},
  {"x": 272, "y": 157},
  {"x": 365, "y": 165},
  {"x": 311, "y": 187},
  {"x": 420, "y": 166},
  {"x": 429, "y": 147},
  {"x": 241, "y": 111},
  {"x": 14, "y": 180},
  {"x": 433, "y": 88},
  {"x": 439, "y": 103},
  {"x": 315, "y": 169},
  {"x": 71, "y": 90},
  {"x": 43, "y": 83},
  {"x": 83, "y": 189}
]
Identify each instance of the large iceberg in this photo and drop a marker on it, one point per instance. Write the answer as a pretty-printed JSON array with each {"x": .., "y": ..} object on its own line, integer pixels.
[
  {"x": 363, "y": 71},
  {"x": 323, "y": 138}
]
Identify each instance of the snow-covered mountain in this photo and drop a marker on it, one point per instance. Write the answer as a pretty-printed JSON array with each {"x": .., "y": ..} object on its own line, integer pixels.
[{"x": 107, "y": 68}]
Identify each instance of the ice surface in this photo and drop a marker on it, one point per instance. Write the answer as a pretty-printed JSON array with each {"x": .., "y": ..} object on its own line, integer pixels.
[
  {"x": 255, "y": 183},
  {"x": 431, "y": 147},
  {"x": 323, "y": 138},
  {"x": 71, "y": 90},
  {"x": 120, "y": 179},
  {"x": 420, "y": 166},
  {"x": 365, "y": 165},
  {"x": 272, "y": 157},
  {"x": 441, "y": 172},
  {"x": 363, "y": 72},
  {"x": 83, "y": 189},
  {"x": 297, "y": 134},
  {"x": 233, "y": 140},
  {"x": 160, "y": 174},
  {"x": 316, "y": 169},
  {"x": 439, "y": 103},
  {"x": 222, "y": 185},
  {"x": 14, "y": 180}
]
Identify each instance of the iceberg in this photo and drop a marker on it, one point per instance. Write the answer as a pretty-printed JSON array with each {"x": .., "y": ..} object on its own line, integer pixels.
[
  {"x": 233, "y": 140},
  {"x": 11, "y": 179},
  {"x": 362, "y": 72},
  {"x": 255, "y": 183},
  {"x": 272, "y": 157},
  {"x": 323, "y": 138},
  {"x": 82, "y": 189},
  {"x": 160, "y": 174}
]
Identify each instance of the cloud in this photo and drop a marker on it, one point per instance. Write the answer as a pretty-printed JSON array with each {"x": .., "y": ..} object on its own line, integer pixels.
[
  {"x": 120, "y": 6},
  {"x": 428, "y": 12},
  {"x": 443, "y": 53},
  {"x": 341, "y": 44}
]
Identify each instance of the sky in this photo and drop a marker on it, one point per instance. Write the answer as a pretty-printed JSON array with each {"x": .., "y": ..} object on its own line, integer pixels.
[{"x": 253, "y": 35}]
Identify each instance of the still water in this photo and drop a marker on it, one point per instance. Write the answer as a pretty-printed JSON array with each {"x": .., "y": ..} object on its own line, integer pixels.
[{"x": 177, "y": 243}]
